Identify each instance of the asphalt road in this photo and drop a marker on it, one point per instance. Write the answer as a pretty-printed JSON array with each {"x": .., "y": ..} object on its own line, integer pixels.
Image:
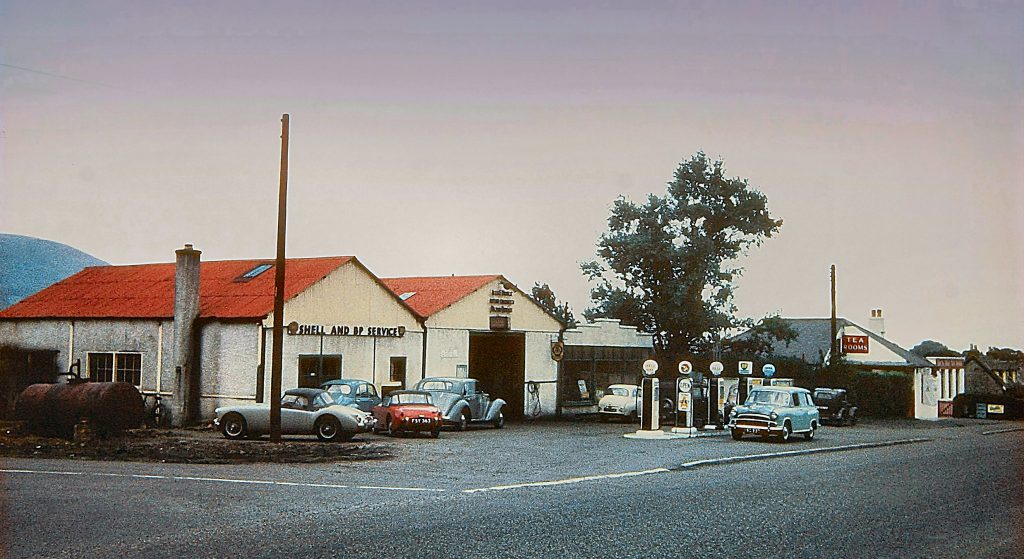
[{"x": 519, "y": 493}]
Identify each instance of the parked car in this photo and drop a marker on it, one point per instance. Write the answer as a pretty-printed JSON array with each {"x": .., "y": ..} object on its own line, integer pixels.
[
  {"x": 462, "y": 402},
  {"x": 404, "y": 411},
  {"x": 619, "y": 400},
  {"x": 357, "y": 393},
  {"x": 775, "y": 411},
  {"x": 834, "y": 406},
  {"x": 304, "y": 411}
]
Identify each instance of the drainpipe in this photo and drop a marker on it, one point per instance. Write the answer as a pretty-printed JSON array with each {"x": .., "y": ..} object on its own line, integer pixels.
[{"x": 186, "y": 310}]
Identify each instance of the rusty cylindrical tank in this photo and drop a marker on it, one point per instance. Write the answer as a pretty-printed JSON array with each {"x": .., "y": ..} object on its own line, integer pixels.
[{"x": 54, "y": 409}]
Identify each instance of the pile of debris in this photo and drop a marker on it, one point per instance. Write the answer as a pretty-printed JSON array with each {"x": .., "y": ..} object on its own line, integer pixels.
[{"x": 182, "y": 446}]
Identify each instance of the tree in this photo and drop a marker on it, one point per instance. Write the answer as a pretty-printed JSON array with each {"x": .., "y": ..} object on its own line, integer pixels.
[
  {"x": 931, "y": 348},
  {"x": 543, "y": 295},
  {"x": 667, "y": 266},
  {"x": 1005, "y": 354}
]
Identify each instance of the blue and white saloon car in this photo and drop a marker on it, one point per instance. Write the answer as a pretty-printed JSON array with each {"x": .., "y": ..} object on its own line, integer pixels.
[{"x": 775, "y": 411}]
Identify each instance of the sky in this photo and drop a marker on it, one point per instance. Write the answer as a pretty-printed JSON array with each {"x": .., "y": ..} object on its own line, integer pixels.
[{"x": 436, "y": 138}]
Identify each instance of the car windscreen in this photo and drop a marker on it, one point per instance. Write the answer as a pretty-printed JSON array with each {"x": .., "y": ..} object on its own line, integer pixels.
[
  {"x": 618, "y": 391},
  {"x": 770, "y": 397},
  {"x": 410, "y": 399},
  {"x": 822, "y": 395},
  {"x": 340, "y": 389},
  {"x": 436, "y": 385}
]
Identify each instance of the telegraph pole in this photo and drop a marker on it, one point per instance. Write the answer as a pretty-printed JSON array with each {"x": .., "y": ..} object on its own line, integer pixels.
[
  {"x": 834, "y": 348},
  {"x": 282, "y": 213}
]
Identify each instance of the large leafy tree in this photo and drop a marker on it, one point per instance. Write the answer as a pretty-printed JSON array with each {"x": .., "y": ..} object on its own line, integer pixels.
[{"x": 668, "y": 265}]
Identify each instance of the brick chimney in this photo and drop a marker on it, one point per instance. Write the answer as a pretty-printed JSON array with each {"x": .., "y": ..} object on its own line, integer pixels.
[
  {"x": 877, "y": 324},
  {"x": 186, "y": 310}
]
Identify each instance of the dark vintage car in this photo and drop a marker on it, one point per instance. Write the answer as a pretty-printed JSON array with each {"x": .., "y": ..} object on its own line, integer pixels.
[
  {"x": 360, "y": 394},
  {"x": 408, "y": 411},
  {"x": 462, "y": 402},
  {"x": 834, "y": 406}
]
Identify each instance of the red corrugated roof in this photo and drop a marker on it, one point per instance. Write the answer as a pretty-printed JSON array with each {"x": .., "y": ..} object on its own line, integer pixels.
[
  {"x": 432, "y": 294},
  {"x": 147, "y": 290}
]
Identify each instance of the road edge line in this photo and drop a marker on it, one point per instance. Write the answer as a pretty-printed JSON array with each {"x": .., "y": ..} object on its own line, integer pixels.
[
  {"x": 785, "y": 454},
  {"x": 1007, "y": 430}
]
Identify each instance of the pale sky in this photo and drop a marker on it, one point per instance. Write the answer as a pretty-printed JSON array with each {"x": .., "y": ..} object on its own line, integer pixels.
[{"x": 432, "y": 138}]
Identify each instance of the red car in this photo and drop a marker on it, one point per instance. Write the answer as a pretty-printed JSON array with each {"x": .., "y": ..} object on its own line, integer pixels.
[{"x": 408, "y": 411}]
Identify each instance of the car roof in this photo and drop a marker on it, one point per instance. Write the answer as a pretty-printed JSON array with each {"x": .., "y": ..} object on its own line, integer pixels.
[
  {"x": 789, "y": 389},
  {"x": 397, "y": 392},
  {"x": 307, "y": 392},
  {"x": 449, "y": 379},
  {"x": 338, "y": 381}
]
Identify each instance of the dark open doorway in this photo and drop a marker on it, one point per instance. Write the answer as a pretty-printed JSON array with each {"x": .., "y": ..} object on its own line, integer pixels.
[{"x": 498, "y": 361}]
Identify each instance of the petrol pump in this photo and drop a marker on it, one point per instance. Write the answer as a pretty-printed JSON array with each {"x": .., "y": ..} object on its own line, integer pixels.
[{"x": 648, "y": 408}]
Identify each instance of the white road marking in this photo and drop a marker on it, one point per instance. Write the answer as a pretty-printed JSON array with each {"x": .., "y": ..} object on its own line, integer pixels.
[
  {"x": 226, "y": 480},
  {"x": 749, "y": 457},
  {"x": 1008, "y": 430},
  {"x": 566, "y": 481}
]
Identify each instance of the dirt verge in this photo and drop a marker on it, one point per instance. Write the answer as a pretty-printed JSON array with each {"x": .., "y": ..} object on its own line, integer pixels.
[{"x": 187, "y": 446}]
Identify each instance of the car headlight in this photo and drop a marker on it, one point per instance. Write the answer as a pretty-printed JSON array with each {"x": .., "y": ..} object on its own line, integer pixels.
[
  {"x": 732, "y": 412},
  {"x": 773, "y": 416}
]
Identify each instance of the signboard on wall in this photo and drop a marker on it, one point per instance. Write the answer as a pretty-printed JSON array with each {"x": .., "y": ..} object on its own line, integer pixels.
[
  {"x": 855, "y": 344},
  {"x": 296, "y": 329}
]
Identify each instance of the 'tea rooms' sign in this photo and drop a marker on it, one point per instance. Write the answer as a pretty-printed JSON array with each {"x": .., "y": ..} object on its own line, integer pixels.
[{"x": 855, "y": 344}]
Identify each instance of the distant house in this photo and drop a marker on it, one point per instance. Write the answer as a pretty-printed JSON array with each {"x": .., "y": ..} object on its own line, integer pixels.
[
  {"x": 991, "y": 377},
  {"x": 865, "y": 349}
]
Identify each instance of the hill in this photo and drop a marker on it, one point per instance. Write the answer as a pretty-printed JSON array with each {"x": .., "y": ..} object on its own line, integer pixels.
[{"x": 28, "y": 264}]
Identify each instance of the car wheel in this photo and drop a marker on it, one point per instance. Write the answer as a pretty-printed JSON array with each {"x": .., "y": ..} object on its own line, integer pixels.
[
  {"x": 787, "y": 431},
  {"x": 633, "y": 417},
  {"x": 737, "y": 434},
  {"x": 463, "y": 421},
  {"x": 233, "y": 426},
  {"x": 387, "y": 427},
  {"x": 810, "y": 434},
  {"x": 499, "y": 420},
  {"x": 328, "y": 429},
  {"x": 435, "y": 433},
  {"x": 853, "y": 419}
]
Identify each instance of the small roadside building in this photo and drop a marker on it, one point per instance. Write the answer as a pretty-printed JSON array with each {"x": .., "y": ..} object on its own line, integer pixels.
[
  {"x": 864, "y": 349},
  {"x": 598, "y": 354}
]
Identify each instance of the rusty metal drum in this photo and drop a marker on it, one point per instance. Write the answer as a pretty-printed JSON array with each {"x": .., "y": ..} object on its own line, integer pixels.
[{"x": 54, "y": 409}]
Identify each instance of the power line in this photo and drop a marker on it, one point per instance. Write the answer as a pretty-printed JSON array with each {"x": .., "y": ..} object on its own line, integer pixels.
[{"x": 58, "y": 76}]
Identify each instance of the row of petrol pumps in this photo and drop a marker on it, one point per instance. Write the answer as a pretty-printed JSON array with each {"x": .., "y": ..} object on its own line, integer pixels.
[{"x": 701, "y": 401}]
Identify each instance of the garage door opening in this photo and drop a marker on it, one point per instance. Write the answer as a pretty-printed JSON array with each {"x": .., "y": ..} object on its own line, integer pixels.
[{"x": 498, "y": 361}]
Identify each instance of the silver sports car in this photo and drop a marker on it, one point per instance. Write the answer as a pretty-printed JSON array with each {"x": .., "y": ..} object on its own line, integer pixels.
[{"x": 304, "y": 411}]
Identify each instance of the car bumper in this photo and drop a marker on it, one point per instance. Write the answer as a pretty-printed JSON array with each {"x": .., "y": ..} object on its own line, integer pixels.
[{"x": 769, "y": 427}]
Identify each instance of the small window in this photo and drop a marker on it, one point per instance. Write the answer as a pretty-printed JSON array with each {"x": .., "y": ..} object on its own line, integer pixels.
[
  {"x": 398, "y": 370},
  {"x": 254, "y": 272},
  {"x": 116, "y": 367}
]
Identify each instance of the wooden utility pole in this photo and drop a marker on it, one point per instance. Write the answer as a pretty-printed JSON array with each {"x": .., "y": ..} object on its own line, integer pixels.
[
  {"x": 834, "y": 350},
  {"x": 282, "y": 213}
]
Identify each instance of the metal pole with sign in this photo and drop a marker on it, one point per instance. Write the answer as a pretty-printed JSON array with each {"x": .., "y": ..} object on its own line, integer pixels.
[{"x": 685, "y": 369}]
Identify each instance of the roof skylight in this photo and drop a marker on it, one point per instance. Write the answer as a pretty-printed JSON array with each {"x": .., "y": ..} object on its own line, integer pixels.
[
  {"x": 406, "y": 295},
  {"x": 255, "y": 272}
]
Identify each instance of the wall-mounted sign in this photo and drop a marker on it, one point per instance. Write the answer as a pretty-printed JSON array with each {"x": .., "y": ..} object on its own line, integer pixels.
[
  {"x": 501, "y": 300},
  {"x": 746, "y": 367},
  {"x": 716, "y": 368},
  {"x": 296, "y": 329},
  {"x": 855, "y": 344},
  {"x": 557, "y": 351},
  {"x": 995, "y": 408}
]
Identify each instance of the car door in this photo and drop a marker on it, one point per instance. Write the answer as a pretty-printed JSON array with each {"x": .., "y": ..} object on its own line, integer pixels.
[
  {"x": 296, "y": 417},
  {"x": 473, "y": 398},
  {"x": 797, "y": 413},
  {"x": 366, "y": 396}
]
